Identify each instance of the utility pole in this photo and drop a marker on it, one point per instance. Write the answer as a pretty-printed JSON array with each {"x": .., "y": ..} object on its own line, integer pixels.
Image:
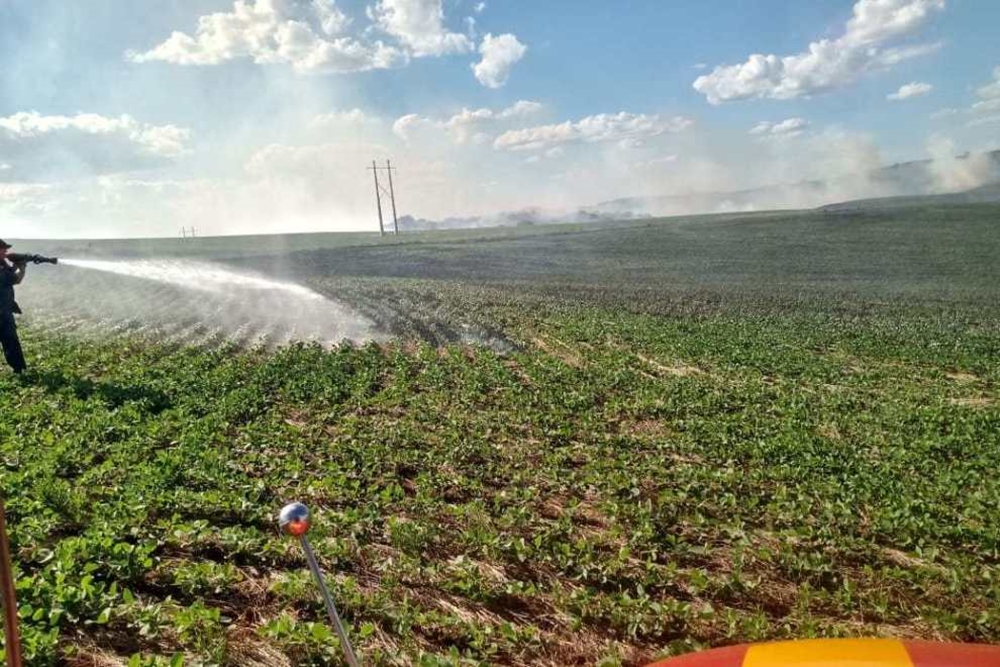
[
  {"x": 378, "y": 200},
  {"x": 392, "y": 196},
  {"x": 390, "y": 193}
]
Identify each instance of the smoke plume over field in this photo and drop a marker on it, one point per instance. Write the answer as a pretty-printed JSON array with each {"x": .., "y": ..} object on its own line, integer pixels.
[{"x": 811, "y": 172}]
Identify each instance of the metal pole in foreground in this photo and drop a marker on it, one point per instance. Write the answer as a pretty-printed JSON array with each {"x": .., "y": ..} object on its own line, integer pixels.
[
  {"x": 11, "y": 634},
  {"x": 294, "y": 520}
]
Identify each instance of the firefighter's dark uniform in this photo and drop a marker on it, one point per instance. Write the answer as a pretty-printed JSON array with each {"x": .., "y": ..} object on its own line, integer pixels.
[{"x": 8, "y": 327}]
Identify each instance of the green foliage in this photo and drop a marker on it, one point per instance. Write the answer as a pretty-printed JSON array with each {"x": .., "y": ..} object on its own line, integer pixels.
[{"x": 639, "y": 469}]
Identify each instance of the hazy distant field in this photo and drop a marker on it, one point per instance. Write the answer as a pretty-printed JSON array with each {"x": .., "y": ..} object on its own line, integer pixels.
[
  {"x": 269, "y": 244},
  {"x": 920, "y": 255},
  {"x": 562, "y": 445}
]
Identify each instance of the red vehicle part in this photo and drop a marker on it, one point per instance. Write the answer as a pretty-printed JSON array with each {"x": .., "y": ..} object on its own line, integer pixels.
[{"x": 843, "y": 653}]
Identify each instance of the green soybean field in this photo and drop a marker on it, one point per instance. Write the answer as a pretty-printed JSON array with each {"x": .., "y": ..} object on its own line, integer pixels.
[{"x": 553, "y": 445}]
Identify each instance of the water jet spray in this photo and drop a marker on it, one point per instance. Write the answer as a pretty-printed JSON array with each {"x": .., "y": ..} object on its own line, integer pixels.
[{"x": 158, "y": 291}]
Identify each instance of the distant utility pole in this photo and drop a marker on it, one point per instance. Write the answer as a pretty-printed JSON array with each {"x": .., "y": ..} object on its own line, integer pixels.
[
  {"x": 392, "y": 196},
  {"x": 379, "y": 191},
  {"x": 184, "y": 232},
  {"x": 378, "y": 199}
]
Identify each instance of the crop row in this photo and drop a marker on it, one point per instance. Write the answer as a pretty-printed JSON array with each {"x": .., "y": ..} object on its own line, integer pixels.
[{"x": 606, "y": 485}]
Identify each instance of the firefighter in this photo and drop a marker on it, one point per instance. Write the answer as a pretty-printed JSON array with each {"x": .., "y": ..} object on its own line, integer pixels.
[{"x": 10, "y": 274}]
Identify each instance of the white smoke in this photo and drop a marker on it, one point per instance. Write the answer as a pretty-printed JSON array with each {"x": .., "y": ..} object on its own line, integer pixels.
[{"x": 952, "y": 173}]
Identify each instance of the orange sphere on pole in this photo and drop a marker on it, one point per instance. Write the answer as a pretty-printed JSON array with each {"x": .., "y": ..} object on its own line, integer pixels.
[
  {"x": 294, "y": 519},
  {"x": 297, "y": 528}
]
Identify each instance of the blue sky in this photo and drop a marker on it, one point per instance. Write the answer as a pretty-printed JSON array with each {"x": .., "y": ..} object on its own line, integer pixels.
[{"x": 124, "y": 118}]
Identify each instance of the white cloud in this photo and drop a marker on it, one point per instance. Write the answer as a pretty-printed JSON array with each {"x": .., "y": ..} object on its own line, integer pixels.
[
  {"x": 896, "y": 55},
  {"x": 305, "y": 34},
  {"x": 499, "y": 55},
  {"x": 353, "y": 118},
  {"x": 984, "y": 120},
  {"x": 914, "y": 89},
  {"x": 875, "y": 21},
  {"x": 790, "y": 127},
  {"x": 480, "y": 6},
  {"x": 662, "y": 160},
  {"x": 945, "y": 113},
  {"x": 14, "y": 193},
  {"x": 470, "y": 116},
  {"x": 465, "y": 124},
  {"x": 553, "y": 153},
  {"x": 602, "y": 127},
  {"x": 34, "y": 145},
  {"x": 986, "y": 106},
  {"x": 630, "y": 143},
  {"x": 521, "y": 108},
  {"x": 992, "y": 89},
  {"x": 985, "y": 111},
  {"x": 24, "y": 203},
  {"x": 302, "y": 161},
  {"x": 827, "y": 64},
  {"x": 163, "y": 140},
  {"x": 419, "y": 25},
  {"x": 404, "y": 125}
]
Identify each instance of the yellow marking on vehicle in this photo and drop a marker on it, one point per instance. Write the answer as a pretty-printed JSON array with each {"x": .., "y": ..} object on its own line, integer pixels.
[{"x": 829, "y": 653}]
